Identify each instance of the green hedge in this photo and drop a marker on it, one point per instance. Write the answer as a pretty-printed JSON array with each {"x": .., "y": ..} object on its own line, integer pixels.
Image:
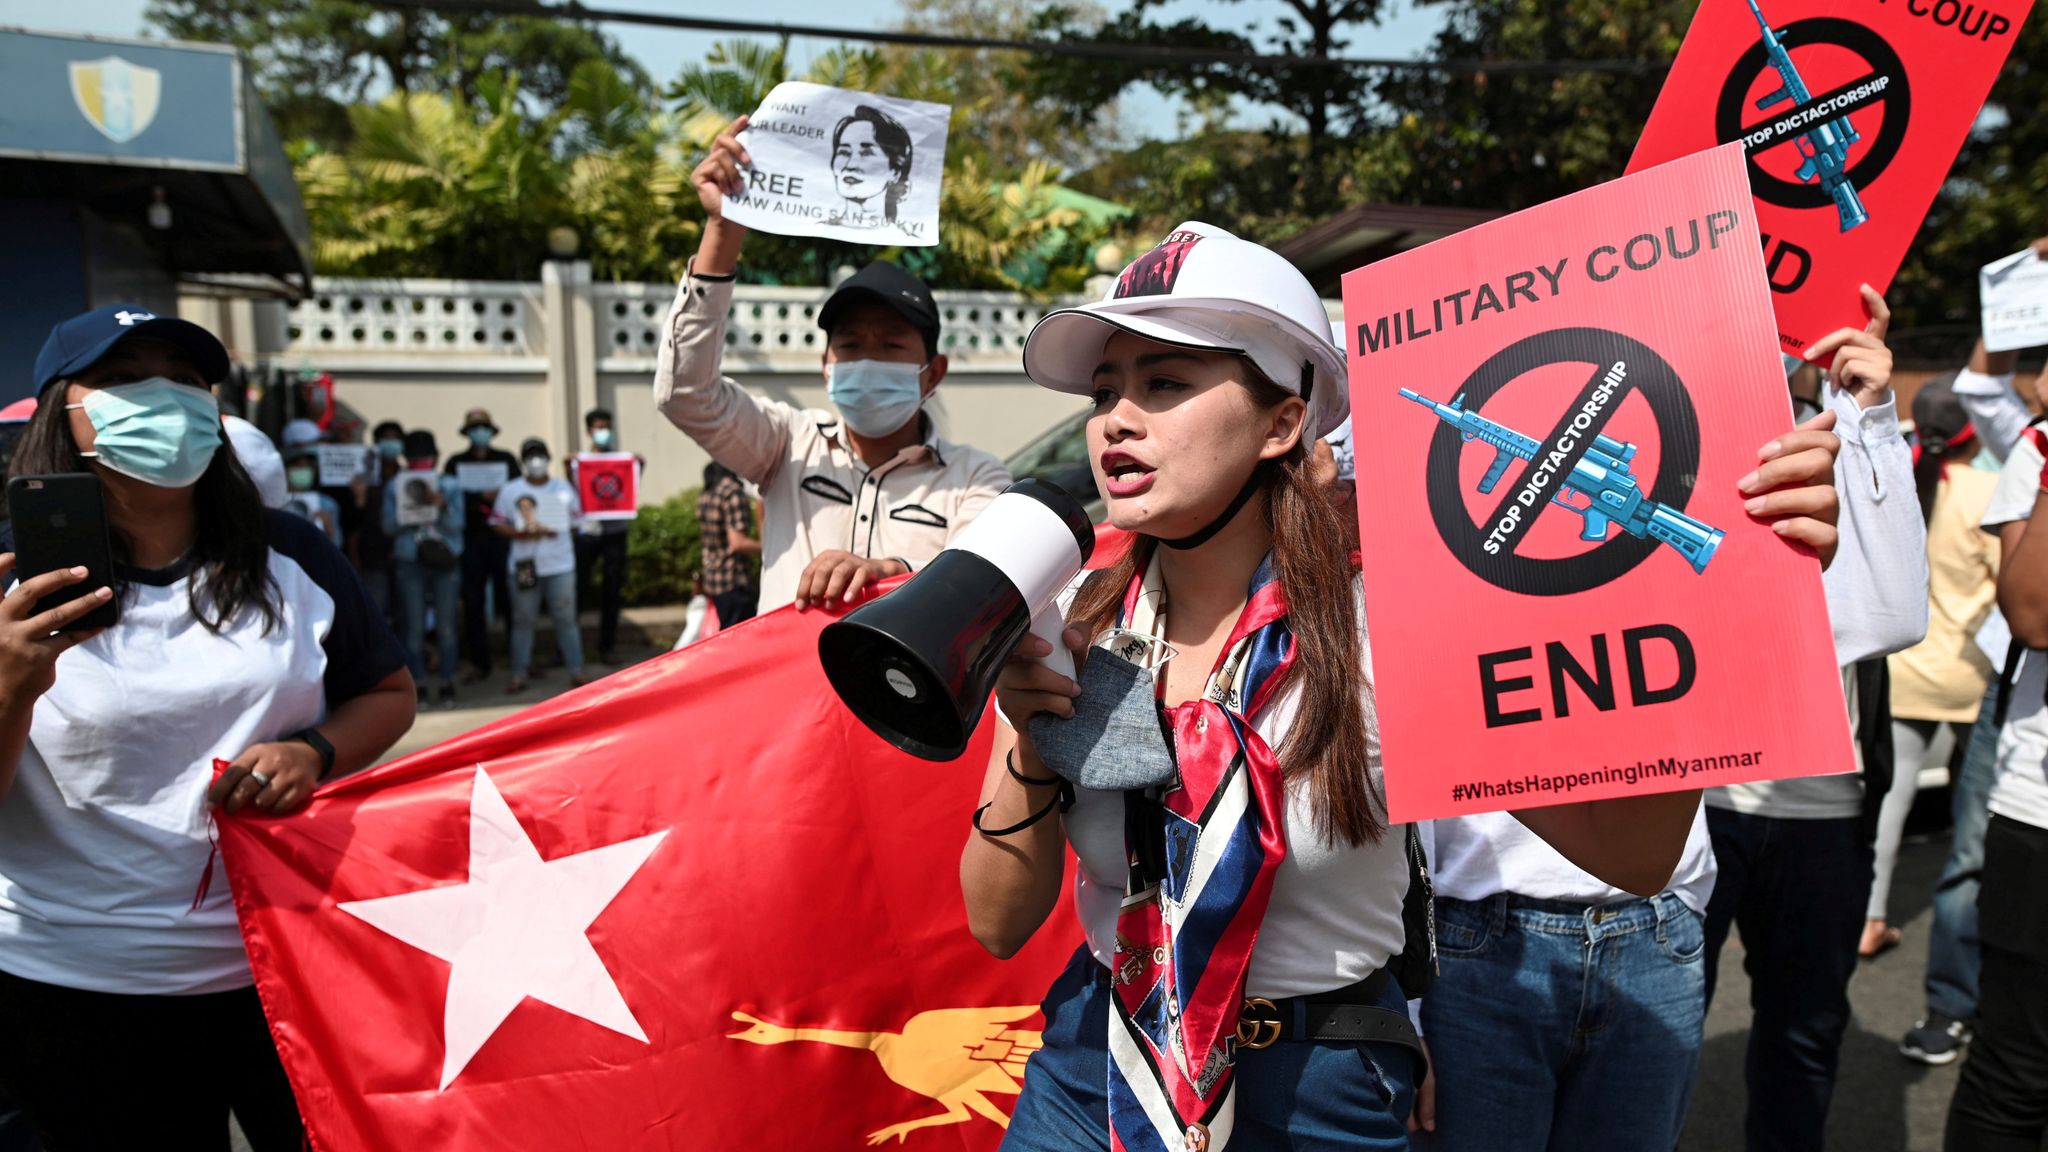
[{"x": 663, "y": 552}]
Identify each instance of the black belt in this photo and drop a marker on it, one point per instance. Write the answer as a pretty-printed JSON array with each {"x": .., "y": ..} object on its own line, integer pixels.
[{"x": 1347, "y": 1015}]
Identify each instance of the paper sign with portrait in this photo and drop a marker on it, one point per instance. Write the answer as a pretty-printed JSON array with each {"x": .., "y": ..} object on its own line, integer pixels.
[
  {"x": 416, "y": 492},
  {"x": 843, "y": 165}
]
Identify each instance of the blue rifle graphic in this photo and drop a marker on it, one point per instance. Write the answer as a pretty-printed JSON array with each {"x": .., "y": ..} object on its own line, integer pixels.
[
  {"x": 1602, "y": 476},
  {"x": 1824, "y": 149}
]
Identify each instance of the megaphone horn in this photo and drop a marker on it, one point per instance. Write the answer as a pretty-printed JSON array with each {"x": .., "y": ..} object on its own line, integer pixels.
[{"x": 917, "y": 665}]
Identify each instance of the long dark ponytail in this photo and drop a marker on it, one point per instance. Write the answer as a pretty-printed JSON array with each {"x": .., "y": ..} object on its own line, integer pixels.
[
  {"x": 230, "y": 557},
  {"x": 1943, "y": 431}
]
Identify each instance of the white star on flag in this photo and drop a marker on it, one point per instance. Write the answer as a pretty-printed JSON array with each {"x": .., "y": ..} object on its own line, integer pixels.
[{"x": 516, "y": 928}]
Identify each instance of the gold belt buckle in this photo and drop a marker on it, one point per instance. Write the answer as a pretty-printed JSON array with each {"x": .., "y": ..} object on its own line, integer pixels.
[{"x": 1258, "y": 1024}]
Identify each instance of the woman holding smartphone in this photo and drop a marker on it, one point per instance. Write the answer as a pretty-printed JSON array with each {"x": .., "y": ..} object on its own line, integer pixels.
[
  {"x": 242, "y": 636},
  {"x": 1255, "y": 890}
]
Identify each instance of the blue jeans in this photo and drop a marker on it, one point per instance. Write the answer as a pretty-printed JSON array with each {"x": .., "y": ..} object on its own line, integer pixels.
[
  {"x": 1554, "y": 1025},
  {"x": 1952, "y": 949},
  {"x": 1294, "y": 1096},
  {"x": 416, "y": 584},
  {"x": 1797, "y": 890},
  {"x": 560, "y": 593}
]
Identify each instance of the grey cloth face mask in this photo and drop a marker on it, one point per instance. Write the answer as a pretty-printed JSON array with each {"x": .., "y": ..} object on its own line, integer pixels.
[{"x": 1117, "y": 738}]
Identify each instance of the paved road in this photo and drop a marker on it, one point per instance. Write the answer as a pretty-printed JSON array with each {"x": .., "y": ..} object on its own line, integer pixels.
[{"x": 1883, "y": 1102}]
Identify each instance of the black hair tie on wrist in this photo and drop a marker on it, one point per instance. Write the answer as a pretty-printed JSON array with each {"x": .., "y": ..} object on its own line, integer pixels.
[
  {"x": 1010, "y": 762},
  {"x": 1062, "y": 800}
]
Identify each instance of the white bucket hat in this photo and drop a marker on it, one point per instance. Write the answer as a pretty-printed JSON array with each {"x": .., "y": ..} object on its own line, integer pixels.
[{"x": 1204, "y": 288}]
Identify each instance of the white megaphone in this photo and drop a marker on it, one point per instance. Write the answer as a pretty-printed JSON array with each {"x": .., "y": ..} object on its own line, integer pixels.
[{"x": 917, "y": 665}]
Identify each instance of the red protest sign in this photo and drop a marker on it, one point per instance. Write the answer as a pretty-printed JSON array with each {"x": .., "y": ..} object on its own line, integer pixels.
[
  {"x": 1566, "y": 598},
  {"x": 1850, "y": 111},
  {"x": 608, "y": 483}
]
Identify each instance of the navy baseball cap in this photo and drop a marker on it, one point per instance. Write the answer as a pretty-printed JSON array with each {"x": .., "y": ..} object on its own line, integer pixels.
[
  {"x": 885, "y": 283},
  {"x": 78, "y": 343}
]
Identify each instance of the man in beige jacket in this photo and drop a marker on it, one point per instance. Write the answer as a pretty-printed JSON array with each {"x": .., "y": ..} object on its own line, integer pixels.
[{"x": 863, "y": 493}]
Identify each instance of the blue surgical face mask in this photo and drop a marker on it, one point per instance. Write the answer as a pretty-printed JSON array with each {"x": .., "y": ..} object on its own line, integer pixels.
[
  {"x": 481, "y": 436},
  {"x": 390, "y": 449},
  {"x": 299, "y": 479},
  {"x": 875, "y": 397},
  {"x": 603, "y": 438},
  {"x": 158, "y": 431}
]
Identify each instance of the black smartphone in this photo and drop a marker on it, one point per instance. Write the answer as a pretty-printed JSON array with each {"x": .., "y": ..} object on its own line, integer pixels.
[{"x": 60, "y": 521}]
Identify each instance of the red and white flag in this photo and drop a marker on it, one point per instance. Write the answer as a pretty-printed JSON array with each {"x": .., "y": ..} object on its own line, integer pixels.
[{"x": 694, "y": 905}]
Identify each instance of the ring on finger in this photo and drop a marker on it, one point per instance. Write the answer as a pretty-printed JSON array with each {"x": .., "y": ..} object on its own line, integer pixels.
[{"x": 261, "y": 780}]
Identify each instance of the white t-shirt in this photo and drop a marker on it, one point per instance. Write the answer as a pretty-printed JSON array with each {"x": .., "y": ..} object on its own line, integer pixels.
[
  {"x": 103, "y": 838},
  {"x": 2021, "y": 791},
  {"x": 1335, "y": 913},
  {"x": 1476, "y": 857},
  {"x": 555, "y": 506}
]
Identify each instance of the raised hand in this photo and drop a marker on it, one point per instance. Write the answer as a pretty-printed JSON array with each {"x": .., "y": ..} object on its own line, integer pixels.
[
  {"x": 1858, "y": 361},
  {"x": 719, "y": 175}
]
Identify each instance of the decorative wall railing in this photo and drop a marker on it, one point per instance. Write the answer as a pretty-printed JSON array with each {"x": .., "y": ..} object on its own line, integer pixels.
[
  {"x": 417, "y": 318},
  {"x": 423, "y": 322}
]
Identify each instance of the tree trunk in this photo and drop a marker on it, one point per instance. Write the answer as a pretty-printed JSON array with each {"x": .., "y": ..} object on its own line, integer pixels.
[{"x": 1316, "y": 196}]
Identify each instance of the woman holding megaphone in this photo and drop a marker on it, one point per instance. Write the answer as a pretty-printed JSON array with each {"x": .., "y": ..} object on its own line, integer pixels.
[{"x": 1215, "y": 767}]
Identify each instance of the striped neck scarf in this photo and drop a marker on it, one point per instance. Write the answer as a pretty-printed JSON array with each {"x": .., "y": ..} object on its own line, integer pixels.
[{"x": 1203, "y": 850}]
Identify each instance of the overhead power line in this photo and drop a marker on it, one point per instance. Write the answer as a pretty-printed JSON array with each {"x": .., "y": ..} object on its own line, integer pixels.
[{"x": 1081, "y": 49}]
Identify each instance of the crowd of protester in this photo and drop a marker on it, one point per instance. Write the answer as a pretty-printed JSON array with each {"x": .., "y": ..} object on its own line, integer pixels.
[
  {"x": 1576, "y": 952},
  {"x": 509, "y": 541}
]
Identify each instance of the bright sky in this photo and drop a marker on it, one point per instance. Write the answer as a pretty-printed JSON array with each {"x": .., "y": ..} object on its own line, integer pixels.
[{"x": 663, "y": 52}]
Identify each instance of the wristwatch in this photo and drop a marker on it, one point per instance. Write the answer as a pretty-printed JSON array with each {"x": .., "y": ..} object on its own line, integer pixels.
[{"x": 319, "y": 743}]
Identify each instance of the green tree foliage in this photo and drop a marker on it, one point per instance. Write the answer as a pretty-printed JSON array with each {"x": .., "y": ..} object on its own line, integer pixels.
[
  {"x": 1508, "y": 140},
  {"x": 1325, "y": 109},
  {"x": 441, "y": 185},
  {"x": 1995, "y": 202},
  {"x": 1004, "y": 123},
  {"x": 1247, "y": 182},
  {"x": 664, "y": 551},
  {"x": 435, "y": 182},
  {"x": 313, "y": 59},
  {"x": 437, "y": 185},
  {"x": 627, "y": 184},
  {"x": 454, "y": 145}
]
